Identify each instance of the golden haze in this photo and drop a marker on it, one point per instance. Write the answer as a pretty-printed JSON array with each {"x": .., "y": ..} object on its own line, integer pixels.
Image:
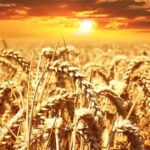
[{"x": 45, "y": 28}]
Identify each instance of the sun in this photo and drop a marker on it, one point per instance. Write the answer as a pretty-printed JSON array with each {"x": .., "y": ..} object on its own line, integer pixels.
[{"x": 86, "y": 26}]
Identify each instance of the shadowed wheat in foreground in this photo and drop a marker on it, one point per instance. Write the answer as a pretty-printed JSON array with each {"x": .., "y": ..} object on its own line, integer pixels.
[{"x": 63, "y": 101}]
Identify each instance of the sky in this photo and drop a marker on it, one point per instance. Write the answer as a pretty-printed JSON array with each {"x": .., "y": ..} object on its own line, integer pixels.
[{"x": 111, "y": 19}]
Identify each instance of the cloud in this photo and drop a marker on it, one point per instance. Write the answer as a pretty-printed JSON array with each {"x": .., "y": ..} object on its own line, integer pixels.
[
  {"x": 116, "y": 25},
  {"x": 13, "y": 10},
  {"x": 7, "y": 5},
  {"x": 104, "y": 12}
]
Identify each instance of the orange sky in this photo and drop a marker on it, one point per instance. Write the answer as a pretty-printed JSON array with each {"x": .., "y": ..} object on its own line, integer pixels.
[{"x": 111, "y": 19}]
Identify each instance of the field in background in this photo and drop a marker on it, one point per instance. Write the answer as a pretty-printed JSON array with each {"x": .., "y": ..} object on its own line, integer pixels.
[{"x": 84, "y": 96}]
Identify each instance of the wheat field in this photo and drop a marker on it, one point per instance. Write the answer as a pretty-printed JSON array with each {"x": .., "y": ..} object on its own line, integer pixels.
[{"x": 66, "y": 98}]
